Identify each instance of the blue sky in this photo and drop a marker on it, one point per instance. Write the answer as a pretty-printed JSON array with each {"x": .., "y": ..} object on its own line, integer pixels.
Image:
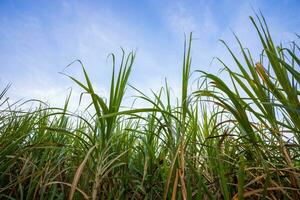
[{"x": 39, "y": 38}]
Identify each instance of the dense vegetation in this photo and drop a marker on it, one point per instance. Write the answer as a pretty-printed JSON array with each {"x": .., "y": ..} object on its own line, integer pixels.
[{"x": 237, "y": 140}]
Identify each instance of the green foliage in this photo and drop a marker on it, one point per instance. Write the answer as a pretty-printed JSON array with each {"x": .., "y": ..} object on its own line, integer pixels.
[{"x": 237, "y": 140}]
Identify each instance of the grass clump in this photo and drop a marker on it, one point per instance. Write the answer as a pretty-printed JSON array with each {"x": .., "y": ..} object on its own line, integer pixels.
[{"x": 217, "y": 142}]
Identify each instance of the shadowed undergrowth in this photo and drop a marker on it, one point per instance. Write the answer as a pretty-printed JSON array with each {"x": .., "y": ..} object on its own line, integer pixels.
[{"x": 237, "y": 140}]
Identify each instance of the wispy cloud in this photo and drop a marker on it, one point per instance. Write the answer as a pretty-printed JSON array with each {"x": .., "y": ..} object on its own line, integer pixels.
[{"x": 180, "y": 19}]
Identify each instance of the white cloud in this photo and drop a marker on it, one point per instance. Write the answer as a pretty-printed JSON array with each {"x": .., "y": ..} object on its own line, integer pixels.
[{"x": 180, "y": 19}]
